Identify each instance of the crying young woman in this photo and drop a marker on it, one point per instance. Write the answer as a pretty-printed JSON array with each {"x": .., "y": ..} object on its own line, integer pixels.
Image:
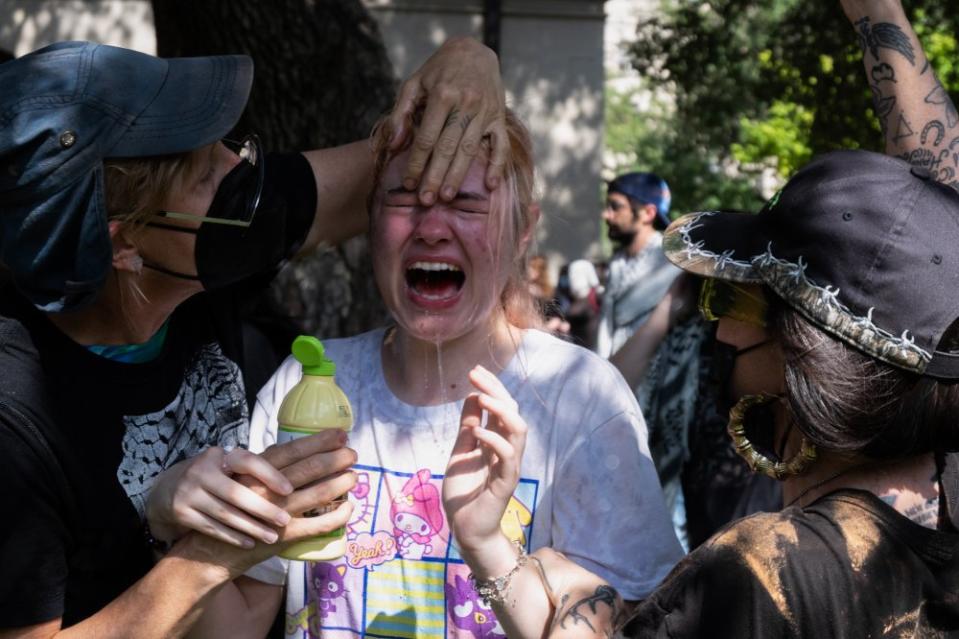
[{"x": 453, "y": 277}]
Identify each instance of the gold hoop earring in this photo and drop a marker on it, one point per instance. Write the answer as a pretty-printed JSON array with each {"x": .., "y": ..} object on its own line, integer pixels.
[{"x": 795, "y": 465}]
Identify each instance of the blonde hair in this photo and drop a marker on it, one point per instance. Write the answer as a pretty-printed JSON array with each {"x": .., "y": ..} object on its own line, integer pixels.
[
  {"x": 135, "y": 188},
  {"x": 513, "y": 200}
]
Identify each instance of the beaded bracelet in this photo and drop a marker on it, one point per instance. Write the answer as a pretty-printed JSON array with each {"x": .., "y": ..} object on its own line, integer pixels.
[{"x": 497, "y": 589}]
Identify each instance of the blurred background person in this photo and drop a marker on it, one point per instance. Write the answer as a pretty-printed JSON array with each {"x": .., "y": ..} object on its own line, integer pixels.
[{"x": 578, "y": 295}]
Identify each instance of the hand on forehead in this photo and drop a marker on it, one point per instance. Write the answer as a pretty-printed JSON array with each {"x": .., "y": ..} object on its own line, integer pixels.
[{"x": 473, "y": 186}]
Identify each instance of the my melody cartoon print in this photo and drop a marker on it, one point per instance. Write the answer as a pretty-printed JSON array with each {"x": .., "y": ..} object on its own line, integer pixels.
[
  {"x": 401, "y": 575},
  {"x": 417, "y": 516}
]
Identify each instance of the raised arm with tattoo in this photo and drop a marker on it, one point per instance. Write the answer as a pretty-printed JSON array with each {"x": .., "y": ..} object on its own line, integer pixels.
[{"x": 918, "y": 118}]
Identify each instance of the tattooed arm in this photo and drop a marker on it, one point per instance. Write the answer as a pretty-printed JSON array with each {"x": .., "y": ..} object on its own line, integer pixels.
[
  {"x": 918, "y": 118},
  {"x": 551, "y": 596},
  {"x": 581, "y": 604},
  {"x": 912, "y": 488}
]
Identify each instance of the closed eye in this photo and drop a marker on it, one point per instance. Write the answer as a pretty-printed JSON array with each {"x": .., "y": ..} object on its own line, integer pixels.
[
  {"x": 400, "y": 198},
  {"x": 470, "y": 202},
  {"x": 469, "y": 205},
  {"x": 399, "y": 203}
]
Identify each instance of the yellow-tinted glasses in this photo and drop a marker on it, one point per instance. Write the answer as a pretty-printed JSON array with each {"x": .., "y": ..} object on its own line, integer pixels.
[{"x": 743, "y": 302}]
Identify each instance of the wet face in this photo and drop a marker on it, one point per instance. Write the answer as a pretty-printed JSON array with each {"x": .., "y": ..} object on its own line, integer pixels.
[
  {"x": 441, "y": 269},
  {"x": 622, "y": 224}
]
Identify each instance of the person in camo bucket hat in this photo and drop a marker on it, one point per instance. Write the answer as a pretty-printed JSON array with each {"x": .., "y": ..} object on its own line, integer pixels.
[
  {"x": 863, "y": 245},
  {"x": 839, "y": 300},
  {"x": 94, "y": 102}
]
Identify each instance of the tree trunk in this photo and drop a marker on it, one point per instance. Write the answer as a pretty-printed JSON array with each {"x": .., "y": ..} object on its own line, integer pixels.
[{"x": 322, "y": 78}]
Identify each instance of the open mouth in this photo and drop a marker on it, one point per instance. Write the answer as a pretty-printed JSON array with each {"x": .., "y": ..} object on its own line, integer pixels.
[{"x": 435, "y": 281}]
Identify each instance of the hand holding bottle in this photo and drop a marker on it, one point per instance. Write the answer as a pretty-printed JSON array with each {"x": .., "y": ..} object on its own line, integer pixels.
[{"x": 239, "y": 497}]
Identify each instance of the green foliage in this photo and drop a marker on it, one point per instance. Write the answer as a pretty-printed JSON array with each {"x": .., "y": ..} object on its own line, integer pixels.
[
  {"x": 655, "y": 142},
  {"x": 781, "y": 137},
  {"x": 759, "y": 83}
]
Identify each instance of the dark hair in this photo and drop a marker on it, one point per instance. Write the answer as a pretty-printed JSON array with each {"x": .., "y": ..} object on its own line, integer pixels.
[
  {"x": 635, "y": 205},
  {"x": 846, "y": 401}
]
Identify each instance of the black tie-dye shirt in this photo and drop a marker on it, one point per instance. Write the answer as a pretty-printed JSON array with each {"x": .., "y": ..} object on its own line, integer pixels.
[{"x": 846, "y": 566}]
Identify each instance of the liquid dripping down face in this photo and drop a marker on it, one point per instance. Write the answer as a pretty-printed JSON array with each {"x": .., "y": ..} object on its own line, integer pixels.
[{"x": 440, "y": 269}]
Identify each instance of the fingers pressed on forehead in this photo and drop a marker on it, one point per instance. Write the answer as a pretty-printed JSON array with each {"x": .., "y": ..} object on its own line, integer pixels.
[
  {"x": 499, "y": 150},
  {"x": 451, "y": 175},
  {"x": 425, "y": 139},
  {"x": 405, "y": 105}
]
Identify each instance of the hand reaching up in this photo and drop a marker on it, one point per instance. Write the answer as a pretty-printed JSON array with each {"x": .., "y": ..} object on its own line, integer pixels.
[{"x": 484, "y": 466}]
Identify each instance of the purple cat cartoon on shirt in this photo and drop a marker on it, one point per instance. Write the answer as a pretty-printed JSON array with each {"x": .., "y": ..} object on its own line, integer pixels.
[
  {"x": 469, "y": 612},
  {"x": 327, "y": 580}
]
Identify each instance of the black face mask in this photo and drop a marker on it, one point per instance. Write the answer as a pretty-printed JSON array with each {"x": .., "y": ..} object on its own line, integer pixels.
[
  {"x": 760, "y": 421},
  {"x": 226, "y": 254}
]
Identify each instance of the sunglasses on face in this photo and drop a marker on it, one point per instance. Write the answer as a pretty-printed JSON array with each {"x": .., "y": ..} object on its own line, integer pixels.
[{"x": 744, "y": 303}]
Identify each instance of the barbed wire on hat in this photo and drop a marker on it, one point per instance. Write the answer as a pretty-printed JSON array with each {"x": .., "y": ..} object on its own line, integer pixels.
[
  {"x": 821, "y": 305},
  {"x": 720, "y": 263}
]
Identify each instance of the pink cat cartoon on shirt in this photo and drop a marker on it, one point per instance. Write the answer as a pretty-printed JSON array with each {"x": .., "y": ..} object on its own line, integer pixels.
[{"x": 417, "y": 516}]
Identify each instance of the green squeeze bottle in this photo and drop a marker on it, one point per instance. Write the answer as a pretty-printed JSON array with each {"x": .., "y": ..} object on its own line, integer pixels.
[{"x": 315, "y": 404}]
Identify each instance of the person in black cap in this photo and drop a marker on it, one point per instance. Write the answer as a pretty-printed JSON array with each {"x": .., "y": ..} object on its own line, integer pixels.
[
  {"x": 839, "y": 297},
  {"x": 132, "y": 231}
]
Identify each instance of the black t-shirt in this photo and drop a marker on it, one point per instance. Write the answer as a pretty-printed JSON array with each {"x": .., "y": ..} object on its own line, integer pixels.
[
  {"x": 847, "y": 566},
  {"x": 82, "y": 437}
]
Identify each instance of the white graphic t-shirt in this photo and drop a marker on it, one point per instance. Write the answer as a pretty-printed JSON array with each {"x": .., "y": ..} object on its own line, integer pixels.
[{"x": 588, "y": 489}]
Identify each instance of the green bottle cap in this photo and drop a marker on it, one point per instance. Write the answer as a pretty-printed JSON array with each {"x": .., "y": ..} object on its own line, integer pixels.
[{"x": 308, "y": 351}]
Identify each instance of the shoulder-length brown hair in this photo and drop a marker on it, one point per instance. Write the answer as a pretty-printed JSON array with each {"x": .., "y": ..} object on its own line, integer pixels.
[{"x": 846, "y": 401}]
